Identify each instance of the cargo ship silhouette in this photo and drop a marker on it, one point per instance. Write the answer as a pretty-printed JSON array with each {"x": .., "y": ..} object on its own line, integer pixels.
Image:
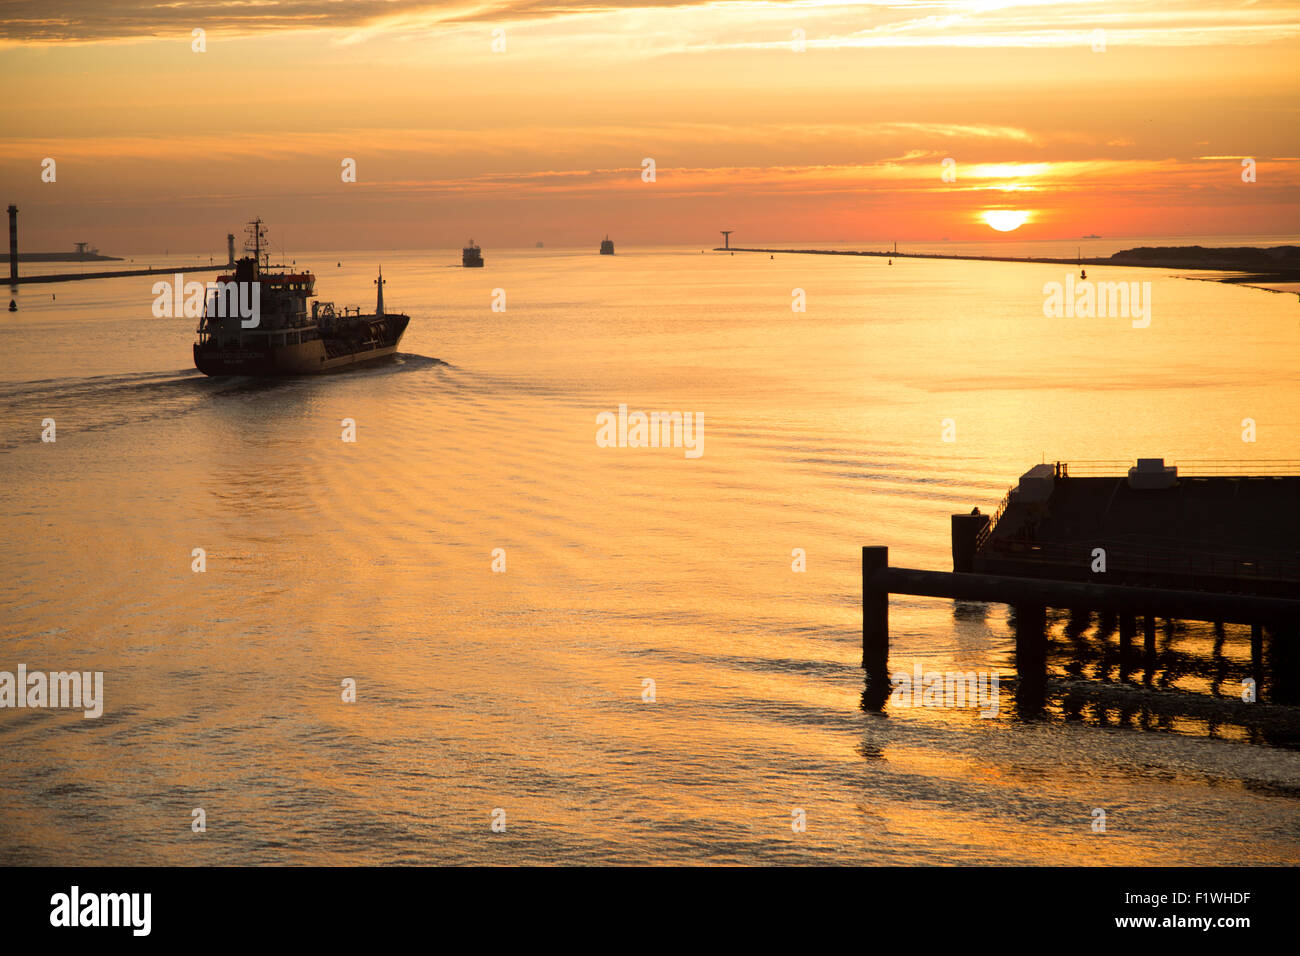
[
  {"x": 281, "y": 337},
  {"x": 471, "y": 257}
]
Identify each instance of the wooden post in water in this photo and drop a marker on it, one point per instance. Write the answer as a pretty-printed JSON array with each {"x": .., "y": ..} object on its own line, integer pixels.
[
  {"x": 1031, "y": 658},
  {"x": 875, "y": 611},
  {"x": 1127, "y": 628},
  {"x": 875, "y": 627},
  {"x": 1149, "y": 649},
  {"x": 1283, "y": 662}
]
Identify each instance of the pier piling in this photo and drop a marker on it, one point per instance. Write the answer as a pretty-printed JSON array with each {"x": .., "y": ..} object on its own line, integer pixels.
[
  {"x": 1127, "y": 628},
  {"x": 875, "y": 613},
  {"x": 1031, "y": 658}
]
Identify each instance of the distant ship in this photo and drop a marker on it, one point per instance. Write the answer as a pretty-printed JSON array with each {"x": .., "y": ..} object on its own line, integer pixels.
[
  {"x": 540, "y": 245},
  {"x": 471, "y": 257},
  {"x": 1091, "y": 237},
  {"x": 607, "y": 247},
  {"x": 286, "y": 339}
]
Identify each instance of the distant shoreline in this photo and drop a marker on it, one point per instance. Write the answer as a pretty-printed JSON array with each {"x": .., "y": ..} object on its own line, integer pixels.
[{"x": 1249, "y": 262}]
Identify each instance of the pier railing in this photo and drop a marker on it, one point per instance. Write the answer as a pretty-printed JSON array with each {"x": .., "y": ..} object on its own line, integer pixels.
[
  {"x": 1147, "y": 560},
  {"x": 1093, "y": 468},
  {"x": 1187, "y": 468},
  {"x": 986, "y": 532},
  {"x": 1252, "y": 468}
]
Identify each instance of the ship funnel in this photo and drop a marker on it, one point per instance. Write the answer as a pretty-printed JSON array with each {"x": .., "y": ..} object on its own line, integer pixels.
[
  {"x": 230, "y": 248},
  {"x": 379, "y": 306}
]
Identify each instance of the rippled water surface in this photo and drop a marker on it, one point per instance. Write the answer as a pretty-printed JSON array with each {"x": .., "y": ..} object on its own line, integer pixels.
[{"x": 523, "y": 690}]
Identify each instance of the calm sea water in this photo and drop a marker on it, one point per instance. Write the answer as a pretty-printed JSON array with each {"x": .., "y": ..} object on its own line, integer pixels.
[{"x": 523, "y": 691}]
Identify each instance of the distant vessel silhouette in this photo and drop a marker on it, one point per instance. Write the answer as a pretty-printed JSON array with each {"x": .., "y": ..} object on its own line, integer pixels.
[
  {"x": 1091, "y": 237},
  {"x": 607, "y": 247},
  {"x": 471, "y": 257},
  {"x": 286, "y": 340}
]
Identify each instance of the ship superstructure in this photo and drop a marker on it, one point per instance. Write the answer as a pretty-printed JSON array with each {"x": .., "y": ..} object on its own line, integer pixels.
[{"x": 471, "y": 257}]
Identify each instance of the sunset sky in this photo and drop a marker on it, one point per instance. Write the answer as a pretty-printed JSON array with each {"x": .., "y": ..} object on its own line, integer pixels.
[{"x": 160, "y": 146}]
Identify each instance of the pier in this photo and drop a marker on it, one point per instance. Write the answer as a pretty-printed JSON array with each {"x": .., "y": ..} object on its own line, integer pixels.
[
  {"x": 1132, "y": 548},
  {"x": 118, "y": 273},
  {"x": 1284, "y": 270}
]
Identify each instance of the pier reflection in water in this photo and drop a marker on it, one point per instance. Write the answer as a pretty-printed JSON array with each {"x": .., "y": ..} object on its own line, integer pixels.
[{"x": 1210, "y": 680}]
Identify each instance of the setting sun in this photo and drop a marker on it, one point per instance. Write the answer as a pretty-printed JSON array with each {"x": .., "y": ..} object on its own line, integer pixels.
[{"x": 1005, "y": 220}]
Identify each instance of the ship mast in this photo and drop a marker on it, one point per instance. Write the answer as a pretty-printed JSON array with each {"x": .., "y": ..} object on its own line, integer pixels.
[{"x": 258, "y": 233}]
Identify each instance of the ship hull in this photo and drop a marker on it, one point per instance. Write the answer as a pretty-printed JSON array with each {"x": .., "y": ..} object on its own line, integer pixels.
[{"x": 304, "y": 358}]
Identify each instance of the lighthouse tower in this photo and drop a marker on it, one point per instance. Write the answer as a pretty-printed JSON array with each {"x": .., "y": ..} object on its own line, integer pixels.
[{"x": 13, "y": 244}]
